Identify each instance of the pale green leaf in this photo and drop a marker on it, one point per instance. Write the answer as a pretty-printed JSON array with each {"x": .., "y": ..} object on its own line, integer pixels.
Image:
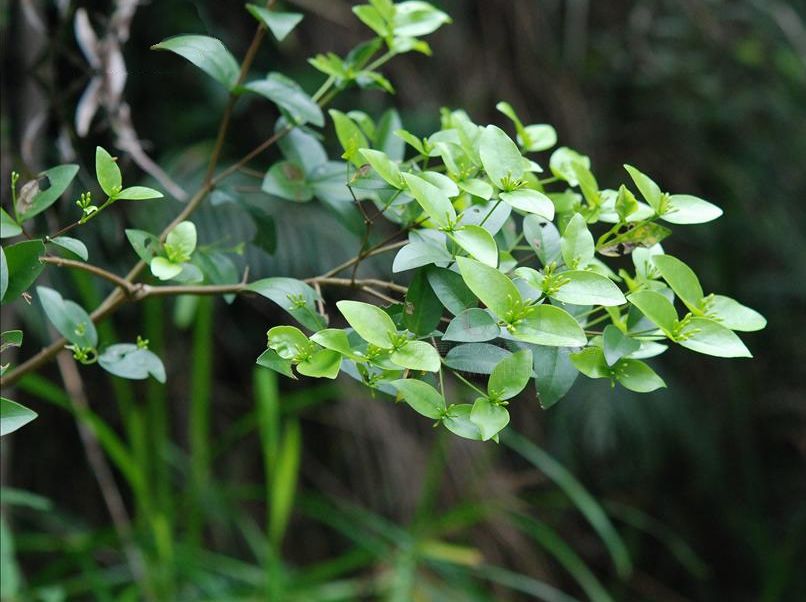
[
  {"x": 289, "y": 96},
  {"x": 416, "y": 355},
  {"x": 370, "y": 322},
  {"x": 530, "y": 201},
  {"x": 681, "y": 278},
  {"x": 492, "y": 287},
  {"x": 434, "y": 201},
  {"x": 489, "y": 417},
  {"x": 688, "y": 209},
  {"x": 208, "y": 54},
  {"x": 550, "y": 325},
  {"x": 73, "y": 245},
  {"x": 500, "y": 156},
  {"x": 711, "y": 338},
  {"x": 478, "y": 243},
  {"x": 69, "y": 318},
  {"x": 127, "y": 360},
  {"x": 510, "y": 375},
  {"x": 732, "y": 314},
  {"x": 473, "y": 325},
  {"x": 577, "y": 244},
  {"x": 138, "y": 193},
  {"x": 324, "y": 363},
  {"x": 636, "y": 376},
  {"x": 107, "y": 172},
  {"x": 422, "y": 397},
  {"x": 657, "y": 308},
  {"x": 13, "y": 416},
  {"x": 279, "y": 23},
  {"x": 588, "y": 288},
  {"x": 649, "y": 189}
]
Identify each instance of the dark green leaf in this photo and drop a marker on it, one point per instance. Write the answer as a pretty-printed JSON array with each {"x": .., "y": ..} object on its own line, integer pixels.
[
  {"x": 13, "y": 416},
  {"x": 280, "y": 24},
  {"x": 22, "y": 267},
  {"x": 473, "y": 325},
  {"x": 294, "y": 296},
  {"x": 73, "y": 245},
  {"x": 422, "y": 309},
  {"x": 289, "y": 97},
  {"x": 49, "y": 186}
]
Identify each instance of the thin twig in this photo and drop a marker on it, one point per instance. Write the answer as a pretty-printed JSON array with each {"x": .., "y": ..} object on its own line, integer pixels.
[{"x": 92, "y": 269}]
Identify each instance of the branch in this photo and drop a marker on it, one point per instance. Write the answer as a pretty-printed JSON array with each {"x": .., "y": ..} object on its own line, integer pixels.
[{"x": 92, "y": 269}]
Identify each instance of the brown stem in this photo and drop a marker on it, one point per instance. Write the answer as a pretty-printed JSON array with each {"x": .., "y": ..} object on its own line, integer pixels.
[
  {"x": 92, "y": 269},
  {"x": 376, "y": 250}
]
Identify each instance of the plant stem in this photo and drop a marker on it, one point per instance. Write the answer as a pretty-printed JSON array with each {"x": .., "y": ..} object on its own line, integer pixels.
[{"x": 468, "y": 383}]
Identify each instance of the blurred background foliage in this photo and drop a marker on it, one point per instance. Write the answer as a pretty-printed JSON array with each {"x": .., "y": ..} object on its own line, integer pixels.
[{"x": 705, "y": 482}]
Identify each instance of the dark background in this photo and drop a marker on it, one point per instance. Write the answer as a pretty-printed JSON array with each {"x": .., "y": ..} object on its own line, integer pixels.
[{"x": 707, "y": 96}]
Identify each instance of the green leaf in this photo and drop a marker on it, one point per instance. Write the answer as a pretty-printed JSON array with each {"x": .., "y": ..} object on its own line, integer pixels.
[
  {"x": 711, "y": 338},
  {"x": 562, "y": 164},
  {"x": 288, "y": 341},
  {"x": 10, "y": 338},
  {"x": 451, "y": 290},
  {"x": 294, "y": 296},
  {"x": 625, "y": 204},
  {"x": 270, "y": 359},
  {"x": 421, "y": 252},
  {"x": 649, "y": 189},
  {"x": 588, "y": 288},
  {"x": 385, "y": 167},
  {"x": 49, "y": 186},
  {"x": 8, "y": 227},
  {"x": 500, "y": 156},
  {"x": 69, "y": 318},
  {"x": 280, "y": 24},
  {"x": 494, "y": 289},
  {"x": 208, "y": 54},
  {"x": 657, "y": 308},
  {"x": 422, "y": 310},
  {"x": 539, "y": 137},
  {"x": 411, "y": 140},
  {"x": 417, "y": 355},
  {"x": 434, "y": 202},
  {"x": 636, "y": 376},
  {"x": 577, "y": 243},
  {"x": 146, "y": 245},
  {"x": 587, "y": 184},
  {"x": 510, "y": 376},
  {"x": 414, "y": 18},
  {"x": 289, "y": 97},
  {"x": 477, "y": 187},
  {"x": 370, "y": 322},
  {"x": 138, "y": 193},
  {"x": 688, "y": 209},
  {"x": 13, "y": 416},
  {"x": 479, "y": 243},
  {"x": 287, "y": 181},
  {"x": 489, "y": 417},
  {"x": 457, "y": 421},
  {"x": 732, "y": 314},
  {"x": 181, "y": 242},
  {"x": 529, "y": 201},
  {"x": 73, "y": 245},
  {"x": 127, "y": 360},
  {"x": 21, "y": 267},
  {"x": 441, "y": 181},
  {"x": 555, "y": 374},
  {"x": 107, "y": 172},
  {"x": 681, "y": 278},
  {"x": 336, "y": 340},
  {"x": 164, "y": 268},
  {"x": 550, "y": 325},
  {"x": 617, "y": 344},
  {"x": 477, "y": 358},
  {"x": 422, "y": 397},
  {"x": 543, "y": 237},
  {"x": 350, "y": 137},
  {"x": 473, "y": 325},
  {"x": 370, "y": 17},
  {"x": 322, "y": 364},
  {"x": 384, "y": 138},
  {"x": 591, "y": 362}
]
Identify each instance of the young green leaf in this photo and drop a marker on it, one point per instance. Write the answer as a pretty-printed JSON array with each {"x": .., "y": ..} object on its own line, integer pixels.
[
  {"x": 501, "y": 158},
  {"x": 550, "y": 325},
  {"x": 69, "y": 318},
  {"x": 3, "y": 274},
  {"x": 657, "y": 308},
  {"x": 146, "y": 245},
  {"x": 350, "y": 136},
  {"x": 711, "y": 338},
  {"x": 164, "y": 269},
  {"x": 288, "y": 341},
  {"x": 127, "y": 360},
  {"x": 636, "y": 376},
  {"x": 279, "y": 23},
  {"x": 688, "y": 209},
  {"x": 321, "y": 364},
  {"x": 416, "y": 355},
  {"x": 434, "y": 202},
  {"x": 493, "y": 288},
  {"x": 370, "y": 322},
  {"x": 413, "y": 19},
  {"x": 422, "y": 397},
  {"x": 272, "y": 360},
  {"x": 577, "y": 243},
  {"x": 385, "y": 167},
  {"x": 681, "y": 278},
  {"x": 489, "y": 417},
  {"x": 181, "y": 242},
  {"x": 13, "y": 416},
  {"x": 478, "y": 243},
  {"x": 529, "y": 201},
  {"x": 732, "y": 314},
  {"x": 335, "y": 339},
  {"x": 138, "y": 193},
  {"x": 457, "y": 420},
  {"x": 562, "y": 164},
  {"x": 588, "y": 288},
  {"x": 591, "y": 362},
  {"x": 289, "y": 97},
  {"x": 510, "y": 375},
  {"x": 107, "y": 172},
  {"x": 473, "y": 325},
  {"x": 208, "y": 54},
  {"x": 649, "y": 189}
]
